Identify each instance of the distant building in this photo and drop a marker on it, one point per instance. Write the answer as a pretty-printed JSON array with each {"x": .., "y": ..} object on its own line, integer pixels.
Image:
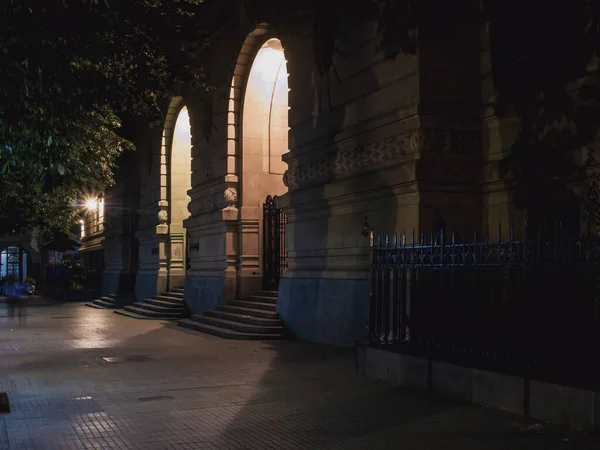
[{"x": 20, "y": 257}]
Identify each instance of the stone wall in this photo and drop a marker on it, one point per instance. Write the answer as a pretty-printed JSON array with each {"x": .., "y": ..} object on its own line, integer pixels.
[
  {"x": 497, "y": 137},
  {"x": 397, "y": 141}
]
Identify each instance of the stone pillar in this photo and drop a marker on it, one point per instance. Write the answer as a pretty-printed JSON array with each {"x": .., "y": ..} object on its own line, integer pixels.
[
  {"x": 176, "y": 253},
  {"x": 249, "y": 267},
  {"x": 120, "y": 222},
  {"x": 152, "y": 275},
  {"x": 119, "y": 268},
  {"x": 213, "y": 248}
]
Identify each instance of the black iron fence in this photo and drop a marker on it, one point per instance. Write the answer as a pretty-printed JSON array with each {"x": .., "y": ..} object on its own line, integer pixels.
[
  {"x": 274, "y": 252},
  {"x": 526, "y": 307}
]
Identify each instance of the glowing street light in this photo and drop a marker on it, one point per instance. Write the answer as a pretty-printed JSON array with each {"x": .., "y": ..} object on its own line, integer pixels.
[{"x": 91, "y": 204}]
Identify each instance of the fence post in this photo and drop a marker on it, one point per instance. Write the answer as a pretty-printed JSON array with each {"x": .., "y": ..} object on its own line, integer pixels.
[{"x": 367, "y": 231}]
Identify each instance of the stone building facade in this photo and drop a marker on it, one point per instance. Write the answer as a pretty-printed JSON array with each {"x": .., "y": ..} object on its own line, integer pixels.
[{"x": 401, "y": 141}]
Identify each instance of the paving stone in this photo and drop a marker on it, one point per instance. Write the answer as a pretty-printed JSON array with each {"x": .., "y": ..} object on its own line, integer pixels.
[{"x": 169, "y": 389}]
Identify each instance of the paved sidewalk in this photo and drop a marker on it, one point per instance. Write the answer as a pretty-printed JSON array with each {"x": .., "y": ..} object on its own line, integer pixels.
[{"x": 82, "y": 378}]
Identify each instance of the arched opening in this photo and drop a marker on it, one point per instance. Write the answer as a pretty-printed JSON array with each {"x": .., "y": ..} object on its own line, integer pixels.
[
  {"x": 264, "y": 139},
  {"x": 179, "y": 183},
  {"x": 265, "y": 124},
  {"x": 13, "y": 263}
]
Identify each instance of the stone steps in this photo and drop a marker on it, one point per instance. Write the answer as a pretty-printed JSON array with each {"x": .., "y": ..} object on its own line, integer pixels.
[
  {"x": 254, "y": 305},
  {"x": 226, "y": 333},
  {"x": 167, "y": 298},
  {"x": 254, "y": 318},
  {"x": 243, "y": 317},
  {"x": 111, "y": 301},
  {"x": 248, "y": 311},
  {"x": 167, "y": 306},
  {"x": 234, "y": 325},
  {"x": 163, "y": 303}
]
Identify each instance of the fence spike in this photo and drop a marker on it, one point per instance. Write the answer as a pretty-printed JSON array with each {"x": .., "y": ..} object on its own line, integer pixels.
[
  {"x": 379, "y": 241},
  {"x": 387, "y": 240},
  {"x": 395, "y": 243},
  {"x": 453, "y": 236}
]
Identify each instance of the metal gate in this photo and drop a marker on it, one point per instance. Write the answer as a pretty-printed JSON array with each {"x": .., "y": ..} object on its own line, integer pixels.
[{"x": 274, "y": 254}]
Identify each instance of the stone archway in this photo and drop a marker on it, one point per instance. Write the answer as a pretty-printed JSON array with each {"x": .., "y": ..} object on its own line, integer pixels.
[
  {"x": 162, "y": 234},
  {"x": 179, "y": 180},
  {"x": 262, "y": 114}
]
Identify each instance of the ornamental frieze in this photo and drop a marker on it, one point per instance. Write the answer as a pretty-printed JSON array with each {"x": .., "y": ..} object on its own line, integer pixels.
[
  {"x": 213, "y": 202},
  {"x": 348, "y": 160}
]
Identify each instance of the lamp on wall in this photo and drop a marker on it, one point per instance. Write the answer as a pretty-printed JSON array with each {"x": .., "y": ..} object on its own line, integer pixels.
[{"x": 91, "y": 204}]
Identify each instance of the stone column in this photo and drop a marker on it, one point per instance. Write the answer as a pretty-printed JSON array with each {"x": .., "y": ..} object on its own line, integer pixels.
[
  {"x": 152, "y": 275},
  {"x": 213, "y": 234}
]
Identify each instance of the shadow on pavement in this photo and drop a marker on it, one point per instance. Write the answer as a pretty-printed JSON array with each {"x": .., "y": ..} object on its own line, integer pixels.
[{"x": 311, "y": 397}]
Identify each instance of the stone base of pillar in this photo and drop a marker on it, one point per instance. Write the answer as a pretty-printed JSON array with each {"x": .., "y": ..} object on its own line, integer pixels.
[
  {"x": 118, "y": 283},
  {"x": 327, "y": 311},
  {"x": 176, "y": 281},
  {"x": 204, "y": 293},
  {"x": 149, "y": 284},
  {"x": 249, "y": 285}
]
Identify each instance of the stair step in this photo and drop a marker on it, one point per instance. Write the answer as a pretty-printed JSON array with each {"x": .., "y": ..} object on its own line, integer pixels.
[
  {"x": 225, "y": 333},
  {"x": 103, "y": 304},
  {"x": 109, "y": 300},
  {"x": 164, "y": 298},
  {"x": 164, "y": 303},
  {"x": 238, "y": 326},
  {"x": 134, "y": 315},
  {"x": 248, "y": 311},
  {"x": 244, "y": 318},
  {"x": 153, "y": 314},
  {"x": 260, "y": 299},
  {"x": 254, "y": 305},
  {"x": 173, "y": 295},
  {"x": 178, "y": 290},
  {"x": 91, "y": 305},
  {"x": 268, "y": 294},
  {"x": 160, "y": 309},
  {"x": 115, "y": 296}
]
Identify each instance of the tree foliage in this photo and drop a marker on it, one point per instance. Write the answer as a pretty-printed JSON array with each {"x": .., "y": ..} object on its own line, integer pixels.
[
  {"x": 70, "y": 70},
  {"x": 544, "y": 65}
]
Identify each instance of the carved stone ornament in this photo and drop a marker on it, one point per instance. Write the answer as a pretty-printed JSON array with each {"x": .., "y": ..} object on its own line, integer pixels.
[
  {"x": 163, "y": 216},
  {"x": 213, "y": 202},
  {"x": 347, "y": 160}
]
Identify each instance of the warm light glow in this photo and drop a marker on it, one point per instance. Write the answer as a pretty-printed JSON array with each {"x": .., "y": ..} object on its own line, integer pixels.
[
  {"x": 268, "y": 61},
  {"x": 265, "y": 111},
  {"x": 91, "y": 204},
  {"x": 101, "y": 209},
  {"x": 267, "y": 67},
  {"x": 183, "y": 134}
]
